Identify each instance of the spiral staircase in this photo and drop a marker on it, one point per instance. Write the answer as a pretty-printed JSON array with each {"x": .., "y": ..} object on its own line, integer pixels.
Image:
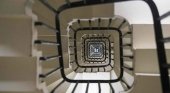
[{"x": 55, "y": 46}]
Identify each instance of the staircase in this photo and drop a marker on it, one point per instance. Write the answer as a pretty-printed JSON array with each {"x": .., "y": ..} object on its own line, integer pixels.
[{"x": 43, "y": 50}]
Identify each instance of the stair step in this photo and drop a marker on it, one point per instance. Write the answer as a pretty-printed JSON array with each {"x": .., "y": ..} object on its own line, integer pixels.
[
  {"x": 74, "y": 25},
  {"x": 63, "y": 87},
  {"x": 117, "y": 85},
  {"x": 124, "y": 26},
  {"x": 148, "y": 83},
  {"x": 56, "y": 76},
  {"x": 47, "y": 50},
  {"x": 128, "y": 63},
  {"x": 127, "y": 34},
  {"x": 84, "y": 23},
  {"x": 93, "y": 88},
  {"x": 115, "y": 22},
  {"x": 13, "y": 28},
  {"x": 49, "y": 72},
  {"x": 57, "y": 3},
  {"x": 44, "y": 31},
  {"x": 128, "y": 78},
  {"x": 127, "y": 41},
  {"x": 18, "y": 73},
  {"x": 43, "y": 13},
  {"x": 127, "y": 52},
  {"x": 15, "y": 8},
  {"x": 39, "y": 23}
]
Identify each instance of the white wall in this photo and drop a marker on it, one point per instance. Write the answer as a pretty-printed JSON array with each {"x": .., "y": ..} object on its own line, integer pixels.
[{"x": 137, "y": 12}]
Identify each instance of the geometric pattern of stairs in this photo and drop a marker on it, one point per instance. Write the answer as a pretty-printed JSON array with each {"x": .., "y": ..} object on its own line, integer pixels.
[
  {"x": 99, "y": 57},
  {"x": 161, "y": 56},
  {"x": 114, "y": 41}
]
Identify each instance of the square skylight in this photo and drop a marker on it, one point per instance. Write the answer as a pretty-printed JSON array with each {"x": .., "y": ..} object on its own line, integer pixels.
[{"x": 95, "y": 49}]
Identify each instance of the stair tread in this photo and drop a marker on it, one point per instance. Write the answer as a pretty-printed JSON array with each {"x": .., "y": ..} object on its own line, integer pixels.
[
  {"x": 56, "y": 76},
  {"x": 51, "y": 86}
]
